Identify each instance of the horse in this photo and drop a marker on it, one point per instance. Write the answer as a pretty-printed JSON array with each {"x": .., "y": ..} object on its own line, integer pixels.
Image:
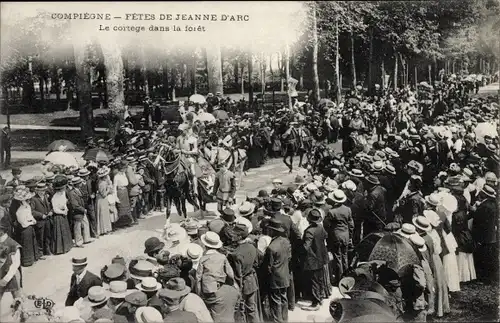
[
  {"x": 234, "y": 161},
  {"x": 177, "y": 184},
  {"x": 297, "y": 142}
]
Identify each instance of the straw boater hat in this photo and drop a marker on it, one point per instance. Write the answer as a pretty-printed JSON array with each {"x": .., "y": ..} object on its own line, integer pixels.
[
  {"x": 372, "y": 179},
  {"x": 433, "y": 199},
  {"x": 421, "y": 222},
  {"x": 97, "y": 295},
  {"x": 141, "y": 270},
  {"x": 211, "y": 240},
  {"x": 356, "y": 173},
  {"x": 246, "y": 209},
  {"x": 83, "y": 172},
  {"x": 103, "y": 172},
  {"x": 79, "y": 261},
  {"x": 114, "y": 271},
  {"x": 148, "y": 314},
  {"x": 174, "y": 289},
  {"x": 419, "y": 242},
  {"x": 148, "y": 284},
  {"x": 337, "y": 196},
  {"x": 118, "y": 289},
  {"x": 433, "y": 218},
  {"x": 488, "y": 191},
  {"x": 407, "y": 230},
  {"x": 194, "y": 251}
]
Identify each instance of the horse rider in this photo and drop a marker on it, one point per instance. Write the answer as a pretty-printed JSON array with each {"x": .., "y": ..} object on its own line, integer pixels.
[{"x": 187, "y": 145}]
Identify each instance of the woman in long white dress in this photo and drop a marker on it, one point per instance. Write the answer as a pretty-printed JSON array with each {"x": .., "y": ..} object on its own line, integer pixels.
[
  {"x": 103, "y": 190},
  {"x": 445, "y": 209}
]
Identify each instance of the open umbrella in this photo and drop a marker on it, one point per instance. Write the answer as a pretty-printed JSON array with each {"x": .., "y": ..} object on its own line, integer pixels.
[
  {"x": 97, "y": 155},
  {"x": 197, "y": 98},
  {"x": 61, "y": 145},
  {"x": 221, "y": 114},
  {"x": 396, "y": 250},
  {"x": 365, "y": 247},
  {"x": 206, "y": 117},
  {"x": 361, "y": 310},
  {"x": 485, "y": 129},
  {"x": 62, "y": 158}
]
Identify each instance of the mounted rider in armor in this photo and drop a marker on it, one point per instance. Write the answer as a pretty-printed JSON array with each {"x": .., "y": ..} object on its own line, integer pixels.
[{"x": 187, "y": 144}]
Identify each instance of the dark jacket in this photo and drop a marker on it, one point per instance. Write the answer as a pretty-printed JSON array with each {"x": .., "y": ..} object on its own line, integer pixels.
[
  {"x": 484, "y": 224},
  {"x": 375, "y": 206},
  {"x": 315, "y": 254},
  {"x": 39, "y": 208},
  {"x": 77, "y": 203},
  {"x": 179, "y": 316},
  {"x": 410, "y": 206},
  {"x": 356, "y": 202},
  {"x": 291, "y": 230},
  {"x": 339, "y": 225},
  {"x": 81, "y": 290},
  {"x": 244, "y": 260},
  {"x": 277, "y": 263}
]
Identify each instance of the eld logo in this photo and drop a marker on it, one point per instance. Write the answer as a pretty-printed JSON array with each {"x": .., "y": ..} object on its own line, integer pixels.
[{"x": 43, "y": 303}]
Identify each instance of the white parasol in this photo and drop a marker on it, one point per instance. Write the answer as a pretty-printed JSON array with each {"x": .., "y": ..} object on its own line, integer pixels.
[
  {"x": 206, "y": 117},
  {"x": 197, "y": 98},
  {"x": 485, "y": 128},
  {"x": 62, "y": 158}
]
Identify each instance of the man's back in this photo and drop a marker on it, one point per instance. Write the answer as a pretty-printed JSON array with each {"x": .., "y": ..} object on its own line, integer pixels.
[{"x": 277, "y": 259}]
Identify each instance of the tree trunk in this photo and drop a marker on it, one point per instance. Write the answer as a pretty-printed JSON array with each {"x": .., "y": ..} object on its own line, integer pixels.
[
  {"x": 370, "y": 63},
  {"x": 144, "y": 71},
  {"x": 429, "y": 68},
  {"x": 337, "y": 58},
  {"x": 262, "y": 73},
  {"x": 114, "y": 83},
  {"x": 214, "y": 69},
  {"x": 194, "y": 70},
  {"x": 83, "y": 88},
  {"x": 301, "y": 79},
  {"x": 236, "y": 68},
  {"x": 382, "y": 69},
  {"x": 416, "y": 77},
  {"x": 453, "y": 67},
  {"x": 42, "y": 90},
  {"x": 166, "y": 85},
  {"x": 173, "y": 82},
  {"x": 396, "y": 72},
  {"x": 250, "y": 83},
  {"x": 353, "y": 62},
  {"x": 316, "y": 91},
  {"x": 242, "y": 67},
  {"x": 287, "y": 72}
]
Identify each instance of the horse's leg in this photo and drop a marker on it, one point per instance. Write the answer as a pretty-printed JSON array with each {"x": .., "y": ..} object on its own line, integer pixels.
[
  {"x": 182, "y": 206},
  {"x": 240, "y": 175},
  {"x": 168, "y": 211},
  {"x": 291, "y": 161},
  {"x": 301, "y": 156}
]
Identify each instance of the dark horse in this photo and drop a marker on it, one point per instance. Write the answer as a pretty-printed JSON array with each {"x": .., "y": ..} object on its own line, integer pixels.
[
  {"x": 296, "y": 142},
  {"x": 177, "y": 184}
]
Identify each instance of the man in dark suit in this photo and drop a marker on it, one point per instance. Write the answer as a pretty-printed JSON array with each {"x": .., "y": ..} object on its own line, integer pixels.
[
  {"x": 81, "y": 281},
  {"x": 315, "y": 257},
  {"x": 78, "y": 211},
  {"x": 375, "y": 206},
  {"x": 484, "y": 214},
  {"x": 293, "y": 235},
  {"x": 5, "y": 147},
  {"x": 276, "y": 263},
  {"x": 339, "y": 225},
  {"x": 244, "y": 260},
  {"x": 42, "y": 212}
]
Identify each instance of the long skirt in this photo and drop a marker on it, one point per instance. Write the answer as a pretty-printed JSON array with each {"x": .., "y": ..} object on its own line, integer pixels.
[
  {"x": 451, "y": 272},
  {"x": 123, "y": 208},
  {"x": 29, "y": 246},
  {"x": 103, "y": 216},
  {"x": 466, "y": 267},
  {"x": 62, "y": 241},
  {"x": 430, "y": 297},
  {"x": 442, "y": 303}
]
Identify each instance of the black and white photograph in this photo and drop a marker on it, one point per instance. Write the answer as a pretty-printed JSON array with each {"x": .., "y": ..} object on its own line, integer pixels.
[{"x": 249, "y": 161}]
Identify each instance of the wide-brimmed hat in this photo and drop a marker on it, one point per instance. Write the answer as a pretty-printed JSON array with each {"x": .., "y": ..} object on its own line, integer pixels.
[
  {"x": 314, "y": 216},
  {"x": 97, "y": 295},
  {"x": 137, "y": 298},
  {"x": 41, "y": 186},
  {"x": 356, "y": 173},
  {"x": 421, "y": 222},
  {"x": 276, "y": 225},
  {"x": 103, "y": 172},
  {"x": 83, "y": 172},
  {"x": 148, "y": 314},
  {"x": 489, "y": 191},
  {"x": 148, "y": 284},
  {"x": 378, "y": 166},
  {"x": 141, "y": 269},
  {"x": 390, "y": 169},
  {"x": 349, "y": 185},
  {"x": 246, "y": 209},
  {"x": 114, "y": 271},
  {"x": 372, "y": 179},
  {"x": 407, "y": 230},
  {"x": 299, "y": 180},
  {"x": 318, "y": 198},
  {"x": 76, "y": 180},
  {"x": 419, "y": 242},
  {"x": 337, "y": 196},
  {"x": 194, "y": 251},
  {"x": 211, "y": 240},
  {"x": 118, "y": 289},
  {"x": 191, "y": 226},
  {"x": 22, "y": 194},
  {"x": 433, "y": 199},
  {"x": 175, "y": 233},
  {"x": 433, "y": 217},
  {"x": 153, "y": 244},
  {"x": 228, "y": 215},
  {"x": 174, "y": 289}
]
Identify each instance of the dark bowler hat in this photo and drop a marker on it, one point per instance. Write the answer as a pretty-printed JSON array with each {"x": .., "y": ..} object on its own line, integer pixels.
[
  {"x": 153, "y": 244},
  {"x": 16, "y": 171},
  {"x": 228, "y": 215},
  {"x": 276, "y": 204},
  {"x": 276, "y": 225}
]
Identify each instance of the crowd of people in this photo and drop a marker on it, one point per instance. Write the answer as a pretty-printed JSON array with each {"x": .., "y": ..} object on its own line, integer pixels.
[{"x": 428, "y": 182}]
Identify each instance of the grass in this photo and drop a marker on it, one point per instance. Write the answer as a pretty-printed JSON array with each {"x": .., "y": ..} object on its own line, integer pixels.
[{"x": 475, "y": 302}]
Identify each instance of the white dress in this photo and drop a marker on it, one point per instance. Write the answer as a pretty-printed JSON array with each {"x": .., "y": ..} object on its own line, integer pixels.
[{"x": 450, "y": 263}]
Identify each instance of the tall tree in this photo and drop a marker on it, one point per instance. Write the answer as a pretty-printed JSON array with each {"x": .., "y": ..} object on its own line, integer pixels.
[
  {"x": 84, "y": 87},
  {"x": 214, "y": 68},
  {"x": 316, "y": 91}
]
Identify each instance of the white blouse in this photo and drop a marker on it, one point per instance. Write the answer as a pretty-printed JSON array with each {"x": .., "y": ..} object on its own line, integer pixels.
[
  {"x": 120, "y": 180},
  {"x": 60, "y": 203},
  {"x": 24, "y": 216}
]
